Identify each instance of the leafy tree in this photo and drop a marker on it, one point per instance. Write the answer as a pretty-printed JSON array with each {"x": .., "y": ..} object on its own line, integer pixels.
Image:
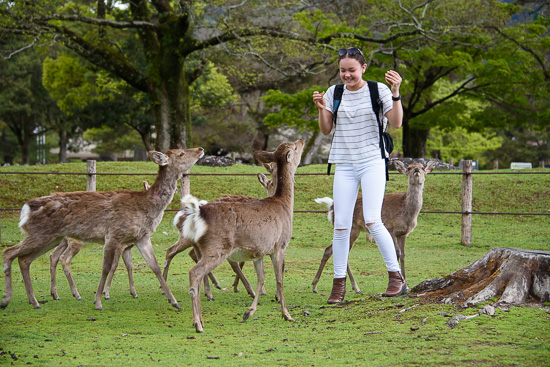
[
  {"x": 450, "y": 53},
  {"x": 160, "y": 48},
  {"x": 155, "y": 46},
  {"x": 24, "y": 104}
]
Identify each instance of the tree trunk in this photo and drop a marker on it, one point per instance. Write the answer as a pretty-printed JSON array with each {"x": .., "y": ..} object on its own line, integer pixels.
[
  {"x": 513, "y": 275},
  {"x": 171, "y": 101},
  {"x": 414, "y": 140},
  {"x": 25, "y": 146},
  {"x": 63, "y": 146}
]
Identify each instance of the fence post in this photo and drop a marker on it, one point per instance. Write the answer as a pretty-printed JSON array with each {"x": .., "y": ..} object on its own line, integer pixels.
[
  {"x": 91, "y": 177},
  {"x": 185, "y": 185},
  {"x": 467, "y": 203}
]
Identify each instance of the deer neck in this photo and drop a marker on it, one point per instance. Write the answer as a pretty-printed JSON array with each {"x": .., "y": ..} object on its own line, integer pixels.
[
  {"x": 285, "y": 186},
  {"x": 162, "y": 191},
  {"x": 413, "y": 200}
]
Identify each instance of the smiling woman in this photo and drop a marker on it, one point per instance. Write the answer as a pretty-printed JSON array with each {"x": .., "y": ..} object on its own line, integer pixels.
[{"x": 361, "y": 160}]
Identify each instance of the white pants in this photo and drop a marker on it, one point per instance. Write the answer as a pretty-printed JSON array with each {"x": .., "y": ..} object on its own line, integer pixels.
[{"x": 372, "y": 178}]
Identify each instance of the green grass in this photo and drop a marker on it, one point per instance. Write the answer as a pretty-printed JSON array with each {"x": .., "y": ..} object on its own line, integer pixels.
[{"x": 368, "y": 331}]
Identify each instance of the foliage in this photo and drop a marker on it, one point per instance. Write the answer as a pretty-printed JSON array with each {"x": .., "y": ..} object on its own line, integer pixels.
[
  {"x": 459, "y": 144},
  {"x": 294, "y": 110},
  {"x": 24, "y": 103},
  {"x": 522, "y": 145},
  {"x": 125, "y": 139}
]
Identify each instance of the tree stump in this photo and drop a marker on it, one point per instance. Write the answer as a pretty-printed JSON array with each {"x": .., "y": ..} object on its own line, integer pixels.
[{"x": 514, "y": 275}]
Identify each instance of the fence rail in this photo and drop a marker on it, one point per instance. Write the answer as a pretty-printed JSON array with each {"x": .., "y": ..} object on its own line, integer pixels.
[{"x": 467, "y": 185}]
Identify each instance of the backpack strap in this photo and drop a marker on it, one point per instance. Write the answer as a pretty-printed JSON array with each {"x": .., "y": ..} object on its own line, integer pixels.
[
  {"x": 337, "y": 98},
  {"x": 377, "y": 106},
  {"x": 338, "y": 91}
]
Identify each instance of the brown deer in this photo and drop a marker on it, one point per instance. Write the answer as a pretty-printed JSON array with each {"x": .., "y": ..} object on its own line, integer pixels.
[
  {"x": 399, "y": 215},
  {"x": 183, "y": 243},
  {"x": 109, "y": 217},
  {"x": 69, "y": 248},
  {"x": 244, "y": 231}
]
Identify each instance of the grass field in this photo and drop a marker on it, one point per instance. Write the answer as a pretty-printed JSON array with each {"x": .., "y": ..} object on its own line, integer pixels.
[{"x": 366, "y": 331}]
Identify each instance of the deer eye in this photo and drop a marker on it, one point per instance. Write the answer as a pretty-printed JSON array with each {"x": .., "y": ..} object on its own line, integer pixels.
[{"x": 182, "y": 154}]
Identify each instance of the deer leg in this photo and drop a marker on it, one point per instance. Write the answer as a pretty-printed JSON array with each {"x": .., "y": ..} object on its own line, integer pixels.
[
  {"x": 237, "y": 269},
  {"x": 206, "y": 264},
  {"x": 127, "y": 258},
  {"x": 116, "y": 259},
  {"x": 54, "y": 260},
  {"x": 25, "y": 261},
  {"x": 26, "y": 251},
  {"x": 146, "y": 250},
  {"x": 73, "y": 248},
  {"x": 109, "y": 250},
  {"x": 259, "y": 266},
  {"x": 353, "y": 237},
  {"x": 236, "y": 280},
  {"x": 326, "y": 255},
  {"x": 278, "y": 258},
  {"x": 400, "y": 241},
  {"x": 207, "y": 291},
  {"x": 180, "y": 245}
]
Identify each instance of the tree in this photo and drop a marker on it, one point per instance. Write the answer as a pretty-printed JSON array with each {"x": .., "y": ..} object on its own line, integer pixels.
[
  {"x": 168, "y": 55},
  {"x": 160, "y": 48},
  {"x": 24, "y": 103},
  {"x": 451, "y": 54}
]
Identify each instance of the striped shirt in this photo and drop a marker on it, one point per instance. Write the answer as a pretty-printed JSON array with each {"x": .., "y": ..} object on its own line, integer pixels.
[{"x": 356, "y": 137}]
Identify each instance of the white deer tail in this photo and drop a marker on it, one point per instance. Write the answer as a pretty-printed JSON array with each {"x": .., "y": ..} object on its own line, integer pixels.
[
  {"x": 24, "y": 216},
  {"x": 193, "y": 226},
  {"x": 329, "y": 203}
]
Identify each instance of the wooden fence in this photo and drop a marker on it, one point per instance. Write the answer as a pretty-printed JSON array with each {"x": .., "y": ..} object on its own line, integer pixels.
[{"x": 466, "y": 208}]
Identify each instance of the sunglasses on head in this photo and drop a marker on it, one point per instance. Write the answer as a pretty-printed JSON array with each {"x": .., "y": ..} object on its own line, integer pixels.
[{"x": 352, "y": 51}]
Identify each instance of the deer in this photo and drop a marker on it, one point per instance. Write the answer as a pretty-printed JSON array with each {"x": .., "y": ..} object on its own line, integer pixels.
[
  {"x": 183, "y": 243},
  {"x": 69, "y": 248},
  {"x": 109, "y": 217},
  {"x": 399, "y": 215},
  {"x": 244, "y": 231}
]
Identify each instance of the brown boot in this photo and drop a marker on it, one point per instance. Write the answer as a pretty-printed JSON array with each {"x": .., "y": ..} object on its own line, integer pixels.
[
  {"x": 396, "y": 286},
  {"x": 338, "y": 291}
]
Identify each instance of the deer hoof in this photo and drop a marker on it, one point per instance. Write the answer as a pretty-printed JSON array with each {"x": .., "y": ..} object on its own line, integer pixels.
[
  {"x": 176, "y": 306},
  {"x": 198, "y": 327},
  {"x": 247, "y": 314}
]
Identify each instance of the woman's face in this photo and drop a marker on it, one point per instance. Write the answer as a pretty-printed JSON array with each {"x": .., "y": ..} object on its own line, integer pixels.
[{"x": 351, "y": 73}]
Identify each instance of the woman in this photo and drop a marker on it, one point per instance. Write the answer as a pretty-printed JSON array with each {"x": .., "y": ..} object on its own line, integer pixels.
[{"x": 356, "y": 153}]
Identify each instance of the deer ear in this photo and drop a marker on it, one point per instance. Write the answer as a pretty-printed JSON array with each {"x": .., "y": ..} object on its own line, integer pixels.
[
  {"x": 158, "y": 158},
  {"x": 263, "y": 180},
  {"x": 400, "y": 166},
  {"x": 289, "y": 156},
  {"x": 430, "y": 166},
  {"x": 263, "y": 156},
  {"x": 268, "y": 167}
]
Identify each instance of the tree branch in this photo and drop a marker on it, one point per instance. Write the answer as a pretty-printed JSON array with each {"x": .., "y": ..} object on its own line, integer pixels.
[
  {"x": 97, "y": 21},
  {"x": 526, "y": 49},
  {"x": 102, "y": 57}
]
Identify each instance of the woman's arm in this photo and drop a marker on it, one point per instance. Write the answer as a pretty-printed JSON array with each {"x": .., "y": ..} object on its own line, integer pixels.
[
  {"x": 325, "y": 116},
  {"x": 395, "y": 115}
]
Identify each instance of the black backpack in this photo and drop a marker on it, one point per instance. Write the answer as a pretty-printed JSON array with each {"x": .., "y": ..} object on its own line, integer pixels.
[{"x": 386, "y": 141}]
